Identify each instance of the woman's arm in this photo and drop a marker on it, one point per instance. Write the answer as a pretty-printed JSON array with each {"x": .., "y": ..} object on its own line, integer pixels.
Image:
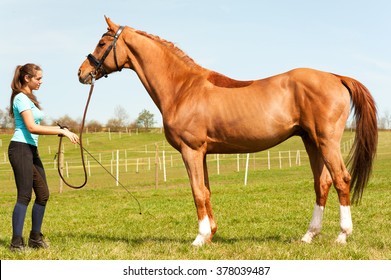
[{"x": 34, "y": 128}]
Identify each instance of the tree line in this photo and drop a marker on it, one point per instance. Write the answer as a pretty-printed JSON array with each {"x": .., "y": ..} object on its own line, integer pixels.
[{"x": 120, "y": 121}]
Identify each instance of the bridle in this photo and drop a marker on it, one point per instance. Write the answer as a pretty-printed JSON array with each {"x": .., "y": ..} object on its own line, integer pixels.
[{"x": 99, "y": 63}]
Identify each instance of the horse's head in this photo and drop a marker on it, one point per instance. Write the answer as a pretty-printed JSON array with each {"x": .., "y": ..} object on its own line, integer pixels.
[{"x": 109, "y": 55}]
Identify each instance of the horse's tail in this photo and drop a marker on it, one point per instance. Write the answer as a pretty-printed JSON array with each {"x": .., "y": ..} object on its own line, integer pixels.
[{"x": 362, "y": 154}]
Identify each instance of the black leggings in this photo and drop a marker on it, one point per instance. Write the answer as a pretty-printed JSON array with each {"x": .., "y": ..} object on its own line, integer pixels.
[{"x": 29, "y": 173}]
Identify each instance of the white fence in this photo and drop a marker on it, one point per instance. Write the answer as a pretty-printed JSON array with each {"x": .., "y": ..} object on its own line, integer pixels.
[
  {"x": 167, "y": 162},
  {"x": 159, "y": 162}
]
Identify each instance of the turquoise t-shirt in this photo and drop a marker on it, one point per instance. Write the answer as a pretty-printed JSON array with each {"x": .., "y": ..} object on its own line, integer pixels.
[{"x": 22, "y": 103}]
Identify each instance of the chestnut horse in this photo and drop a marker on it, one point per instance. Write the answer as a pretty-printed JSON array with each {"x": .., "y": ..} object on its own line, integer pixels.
[{"x": 205, "y": 112}]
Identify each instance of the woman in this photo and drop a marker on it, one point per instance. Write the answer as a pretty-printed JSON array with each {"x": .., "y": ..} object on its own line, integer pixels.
[{"x": 23, "y": 154}]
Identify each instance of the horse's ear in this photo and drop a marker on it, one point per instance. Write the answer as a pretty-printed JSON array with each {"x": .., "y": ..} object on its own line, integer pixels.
[{"x": 111, "y": 25}]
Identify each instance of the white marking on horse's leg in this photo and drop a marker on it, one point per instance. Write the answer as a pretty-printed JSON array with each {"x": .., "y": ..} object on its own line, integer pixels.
[
  {"x": 204, "y": 232},
  {"x": 346, "y": 224},
  {"x": 315, "y": 225}
]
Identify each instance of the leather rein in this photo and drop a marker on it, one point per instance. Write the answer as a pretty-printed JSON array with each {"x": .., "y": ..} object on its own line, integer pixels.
[{"x": 98, "y": 67}]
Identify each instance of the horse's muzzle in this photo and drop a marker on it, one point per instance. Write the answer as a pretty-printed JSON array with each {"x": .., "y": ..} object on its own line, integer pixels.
[{"x": 84, "y": 79}]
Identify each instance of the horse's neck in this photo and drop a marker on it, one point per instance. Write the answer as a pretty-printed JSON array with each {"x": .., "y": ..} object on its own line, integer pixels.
[{"x": 162, "y": 72}]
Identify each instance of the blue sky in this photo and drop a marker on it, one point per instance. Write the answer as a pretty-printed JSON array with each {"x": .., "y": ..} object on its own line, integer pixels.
[{"x": 241, "y": 39}]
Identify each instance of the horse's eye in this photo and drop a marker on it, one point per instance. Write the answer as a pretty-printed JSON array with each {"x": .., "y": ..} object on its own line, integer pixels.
[{"x": 101, "y": 44}]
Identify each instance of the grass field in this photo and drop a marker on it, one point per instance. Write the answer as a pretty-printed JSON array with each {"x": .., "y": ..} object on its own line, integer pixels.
[{"x": 263, "y": 220}]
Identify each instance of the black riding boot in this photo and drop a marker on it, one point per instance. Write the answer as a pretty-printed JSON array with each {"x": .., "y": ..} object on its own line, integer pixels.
[
  {"x": 36, "y": 240},
  {"x": 17, "y": 244}
]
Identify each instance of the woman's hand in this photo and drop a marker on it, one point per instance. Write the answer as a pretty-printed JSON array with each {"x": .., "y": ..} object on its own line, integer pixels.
[{"x": 70, "y": 135}]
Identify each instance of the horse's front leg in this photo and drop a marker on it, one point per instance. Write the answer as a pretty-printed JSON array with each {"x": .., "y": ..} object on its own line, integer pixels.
[
  {"x": 208, "y": 203},
  {"x": 194, "y": 162}
]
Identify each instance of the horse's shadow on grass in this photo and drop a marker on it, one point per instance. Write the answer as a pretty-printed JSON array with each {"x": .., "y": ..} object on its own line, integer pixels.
[
  {"x": 255, "y": 239},
  {"x": 158, "y": 240},
  {"x": 93, "y": 237},
  {"x": 138, "y": 241}
]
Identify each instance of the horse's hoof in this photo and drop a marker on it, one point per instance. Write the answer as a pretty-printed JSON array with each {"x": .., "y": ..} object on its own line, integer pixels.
[
  {"x": 198, "y": 243},
  {"x": 307, "y": 239},
  {"x": 200, "y": 240},
  {"x": 341, "y": 239}
]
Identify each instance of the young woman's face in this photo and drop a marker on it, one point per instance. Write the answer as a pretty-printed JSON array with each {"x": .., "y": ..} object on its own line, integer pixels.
[{"x": 35, "y": 82}]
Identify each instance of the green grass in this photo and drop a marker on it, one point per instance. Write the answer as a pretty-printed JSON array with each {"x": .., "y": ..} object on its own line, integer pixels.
[{"x": 263, "y": 220}]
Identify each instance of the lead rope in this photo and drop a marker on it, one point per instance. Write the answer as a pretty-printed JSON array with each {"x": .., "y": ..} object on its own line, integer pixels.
[
  {"x": 80, "y": 142},
  {"x": 84, "y": 149}
]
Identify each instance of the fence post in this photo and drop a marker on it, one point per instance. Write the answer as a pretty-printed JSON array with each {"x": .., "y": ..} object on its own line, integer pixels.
[
  {"x": 156, "y": 166},
  {"x": 279, "y": 156},
  {"x": 218, "y": 164},
  {"x": 164, "y": 167},
  {"x": 268, "y": 160},
  {"x": 117, "y": 175},
  {"x": 298, "y": 161},
  {"x": 246, "y": 172},
  {"x": 67, "y": 169},
  {"x": 61, "y": 163}
]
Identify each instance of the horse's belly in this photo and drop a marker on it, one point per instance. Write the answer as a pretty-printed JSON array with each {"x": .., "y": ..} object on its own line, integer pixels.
[{"x": 247, "y": 141}]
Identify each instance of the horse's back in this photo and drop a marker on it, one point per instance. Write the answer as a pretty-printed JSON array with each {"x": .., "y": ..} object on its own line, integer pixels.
[
  {"x": 310, "y": 88},
  {"x": 307, "y": 77}
]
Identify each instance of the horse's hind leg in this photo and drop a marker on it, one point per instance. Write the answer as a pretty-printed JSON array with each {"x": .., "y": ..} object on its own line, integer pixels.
[
  {"x": 341, "y": 178},
  {"x": 322, "y": 184}
]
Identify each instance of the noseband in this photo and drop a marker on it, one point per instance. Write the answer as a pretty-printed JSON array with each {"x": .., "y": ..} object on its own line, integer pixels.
[{"x": 99, "y": 63}]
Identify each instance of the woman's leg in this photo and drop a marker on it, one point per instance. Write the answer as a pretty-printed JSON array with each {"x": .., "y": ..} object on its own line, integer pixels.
[
  {"x": 41, "y": 191},
  {"x": 21, "y": 160}
]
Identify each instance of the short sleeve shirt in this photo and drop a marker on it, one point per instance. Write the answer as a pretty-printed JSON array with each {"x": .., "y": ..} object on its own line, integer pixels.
[{"x": 22, "y": 103}]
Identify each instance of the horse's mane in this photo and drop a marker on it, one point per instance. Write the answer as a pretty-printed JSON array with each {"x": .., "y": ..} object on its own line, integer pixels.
[
  {"x": 214, "y": 77},
  {"x": 171, "y": 46}
]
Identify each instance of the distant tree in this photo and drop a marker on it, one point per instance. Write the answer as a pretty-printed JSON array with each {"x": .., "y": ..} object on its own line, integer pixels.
[
  {"x": 387, "y": 119},
  {"x": 69, "y": 122},
  {"x": 2, "y": 119},
  {"x": 120, "y": 120},
  {"x": 114, "y": 124},
  {"x": 122, "y": 116},
  {"x": 94, "y": 126},
  {"x": 5, "y": 119},
  {"x": 132, "y": 125},
  {"x": 145, "y": 120}
]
